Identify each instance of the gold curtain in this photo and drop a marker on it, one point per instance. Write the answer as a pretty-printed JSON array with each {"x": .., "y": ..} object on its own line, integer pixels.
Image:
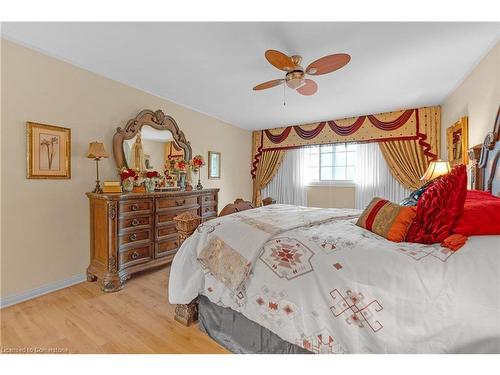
[
  {"x": 406, "y": 161},
  {"x": 269, "y": 164}
]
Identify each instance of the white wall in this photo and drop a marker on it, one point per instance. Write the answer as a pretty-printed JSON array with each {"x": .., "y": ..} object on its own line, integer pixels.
[
  {"x": 45, "y": 223},
  {"x": 478, "y": 97}
]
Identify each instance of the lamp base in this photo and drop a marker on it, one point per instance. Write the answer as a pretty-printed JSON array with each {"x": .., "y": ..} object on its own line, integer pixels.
[{"x": 97, "y": 189}]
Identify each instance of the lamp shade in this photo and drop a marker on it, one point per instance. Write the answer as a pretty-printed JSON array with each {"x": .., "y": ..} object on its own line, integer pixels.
[
  {"x": 435, "y": 169},
  {"x": 96, "y": 151}
]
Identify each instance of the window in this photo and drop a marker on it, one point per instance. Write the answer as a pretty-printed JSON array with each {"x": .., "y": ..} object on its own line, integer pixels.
[{"x": 334, "y": 162}]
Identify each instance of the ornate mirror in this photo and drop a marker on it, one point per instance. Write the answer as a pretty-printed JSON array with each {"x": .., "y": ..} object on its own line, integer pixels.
[{"x": 149, "y": 141}]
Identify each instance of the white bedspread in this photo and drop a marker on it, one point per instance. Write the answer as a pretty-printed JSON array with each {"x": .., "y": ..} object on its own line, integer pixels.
[{"x": 338, "y": 288}]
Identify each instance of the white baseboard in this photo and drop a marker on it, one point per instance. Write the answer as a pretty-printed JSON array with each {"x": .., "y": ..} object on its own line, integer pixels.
[{"x": 44, "y": 289}]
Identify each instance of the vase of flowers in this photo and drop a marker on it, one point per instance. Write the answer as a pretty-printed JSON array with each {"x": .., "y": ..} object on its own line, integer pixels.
[
  {"x": 180, "y": 169},
  {"x": 196, "y": 163},
  {"x": 128, "y": 176},
  {"x": 150, "y": 178}
]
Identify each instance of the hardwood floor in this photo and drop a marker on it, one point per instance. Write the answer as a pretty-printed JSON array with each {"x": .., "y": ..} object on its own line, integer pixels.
[{"x": 82, "y": 319}]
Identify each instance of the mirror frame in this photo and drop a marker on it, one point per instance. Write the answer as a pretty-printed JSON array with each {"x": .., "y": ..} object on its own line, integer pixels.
[{"x": 157, "y": 120}]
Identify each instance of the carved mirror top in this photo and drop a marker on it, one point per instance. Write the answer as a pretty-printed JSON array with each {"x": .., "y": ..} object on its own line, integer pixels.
[{"x": 157, "y": 120}]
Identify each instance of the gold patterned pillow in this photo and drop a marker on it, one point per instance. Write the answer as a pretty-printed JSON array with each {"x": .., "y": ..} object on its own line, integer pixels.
[{"x": 387, "y": 219}]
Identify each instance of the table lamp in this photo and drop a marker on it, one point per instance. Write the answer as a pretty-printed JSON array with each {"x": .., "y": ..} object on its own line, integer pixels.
[
  {"x": 436, "y": 169},
  {"x": 97, "y": 152}
]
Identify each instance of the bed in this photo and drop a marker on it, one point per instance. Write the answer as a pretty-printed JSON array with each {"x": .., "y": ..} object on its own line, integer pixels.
[{"x": 311, "y": 281}]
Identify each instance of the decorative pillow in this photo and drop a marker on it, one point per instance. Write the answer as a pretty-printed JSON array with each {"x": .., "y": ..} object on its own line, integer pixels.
[
  {"x": 439, "y": 208},
  {"x": 481, "y": 215},
  {"x": 414, "y": 196},
  {"x": 389, "y": 220}
]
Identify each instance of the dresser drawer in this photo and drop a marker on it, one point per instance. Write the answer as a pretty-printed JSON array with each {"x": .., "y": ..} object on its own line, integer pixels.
[
  {"x": 135, "y": 222},
  {"x": 136, "y": 236},
  {"x": 173, "y": 202},
  {"x": 136, "y": 255},
  {"x": 166, "y": 218},
  {"x": 209, "y": 199},
  {"x": 208, "y": 211},
  {"x": 140, "y": 206},
  {"x": 167, "y": 247},
  {"x": 165, "y": 231}
]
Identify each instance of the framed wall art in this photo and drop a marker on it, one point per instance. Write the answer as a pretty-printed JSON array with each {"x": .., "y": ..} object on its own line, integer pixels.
[
  {"x": 457, "y": 141},
  {"x": 49, "y": 151},
  {"x": 213, "y": 165}
]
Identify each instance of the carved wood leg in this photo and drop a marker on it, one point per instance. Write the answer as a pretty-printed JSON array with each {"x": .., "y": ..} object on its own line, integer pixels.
[
  {"x": 109, "y": 286},
  {"x": 91, "y": 277},
  {"x": 187, "y": 314}
]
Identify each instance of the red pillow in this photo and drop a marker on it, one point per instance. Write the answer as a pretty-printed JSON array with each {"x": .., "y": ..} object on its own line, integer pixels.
[
  {"x": 439, "y": 208},
  {"x": 481, "y": 215}
]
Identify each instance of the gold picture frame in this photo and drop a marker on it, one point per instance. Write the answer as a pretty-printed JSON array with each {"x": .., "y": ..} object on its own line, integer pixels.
[
  {"x": 457, "y": 141},
  {"x": 214, "y": 165},
  {"x": 48, "y": 151}
]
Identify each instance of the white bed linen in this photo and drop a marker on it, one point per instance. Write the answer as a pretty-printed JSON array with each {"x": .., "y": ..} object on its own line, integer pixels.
[{"x": 347, "y": 290}]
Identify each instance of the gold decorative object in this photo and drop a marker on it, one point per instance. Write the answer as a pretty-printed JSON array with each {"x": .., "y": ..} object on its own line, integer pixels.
[
  {"x": 49, "y": 151},
  {"x": 457, "y": 140},
  {"x": 97, "y": 152},
  {"x": 435, "y": 169}
]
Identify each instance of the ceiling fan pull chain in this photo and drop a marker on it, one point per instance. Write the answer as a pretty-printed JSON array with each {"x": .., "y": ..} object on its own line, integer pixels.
[{"x": 284, "y": 96}]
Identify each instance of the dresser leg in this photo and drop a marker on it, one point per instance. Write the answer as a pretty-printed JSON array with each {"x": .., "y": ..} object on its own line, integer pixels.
[
  {"x": 187, "y": 314},
  {"x": 110, "y": 286},
  {"x": 91, "y": 277}
]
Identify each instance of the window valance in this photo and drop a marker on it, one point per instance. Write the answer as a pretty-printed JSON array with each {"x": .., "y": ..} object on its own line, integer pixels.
[{"x": 418, "y": 124}]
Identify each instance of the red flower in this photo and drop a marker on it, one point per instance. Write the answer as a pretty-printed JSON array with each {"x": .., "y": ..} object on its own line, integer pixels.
[{"x": 152, "y": 174}]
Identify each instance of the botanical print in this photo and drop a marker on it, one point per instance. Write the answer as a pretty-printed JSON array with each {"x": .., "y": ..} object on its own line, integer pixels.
[{"x": 49, "y": 151}]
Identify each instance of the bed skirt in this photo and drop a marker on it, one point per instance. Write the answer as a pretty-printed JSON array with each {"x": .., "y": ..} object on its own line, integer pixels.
[{"x": 238, "y": 334}]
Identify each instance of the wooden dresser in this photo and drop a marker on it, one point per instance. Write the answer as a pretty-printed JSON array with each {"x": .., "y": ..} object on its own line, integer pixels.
[{"x": 133, "y": 232}]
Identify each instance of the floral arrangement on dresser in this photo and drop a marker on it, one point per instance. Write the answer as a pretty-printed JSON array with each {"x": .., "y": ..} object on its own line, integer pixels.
[
  {"x": 176, "y": 173},
  {"x": 129, "y": 177},
  {"x": 134, "y": 180},
  {"x": 196, "y": 163},
  {"x": 150, "y": 179}
]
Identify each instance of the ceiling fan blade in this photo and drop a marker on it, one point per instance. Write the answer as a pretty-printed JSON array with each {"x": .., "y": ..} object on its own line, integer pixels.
[
  {"x": 269, "y": 84},
  {"x": 328, "y": 64},
  {"x": 279, "y": 60},
  {"x": 309, "y": 88}
]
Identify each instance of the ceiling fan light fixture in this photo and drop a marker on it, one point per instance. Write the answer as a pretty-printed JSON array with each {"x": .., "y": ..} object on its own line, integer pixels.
[{"x": 295, "y": 83}]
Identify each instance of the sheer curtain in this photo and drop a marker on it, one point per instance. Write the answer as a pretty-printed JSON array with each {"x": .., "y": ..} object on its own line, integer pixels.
[
  {"x": 373, "y": 177},
  {"x": 288, "y": 186}
]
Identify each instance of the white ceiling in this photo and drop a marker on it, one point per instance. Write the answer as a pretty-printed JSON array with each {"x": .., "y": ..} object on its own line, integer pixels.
[{"x": 212, "y": 67}]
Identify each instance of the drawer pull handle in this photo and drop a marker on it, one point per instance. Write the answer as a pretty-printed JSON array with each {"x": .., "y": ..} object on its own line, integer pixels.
[
  {"x": 134, "y": 255},
  {"x": 135, "y": 207},
  {"x": 180, "y": 203},
  {"x": 133, "y": 237},
  {"x": 135, "y": 222}
]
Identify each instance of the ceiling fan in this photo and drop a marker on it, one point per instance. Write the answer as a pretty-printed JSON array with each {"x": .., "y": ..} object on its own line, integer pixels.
[{"x": 295, "y": 74}]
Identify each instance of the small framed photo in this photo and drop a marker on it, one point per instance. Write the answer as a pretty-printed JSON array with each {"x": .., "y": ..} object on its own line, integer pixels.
[
  {"x": 49, "y": 151},
  {"x": 457, "y": 142},
  {"x": 213, "y": 165}
]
